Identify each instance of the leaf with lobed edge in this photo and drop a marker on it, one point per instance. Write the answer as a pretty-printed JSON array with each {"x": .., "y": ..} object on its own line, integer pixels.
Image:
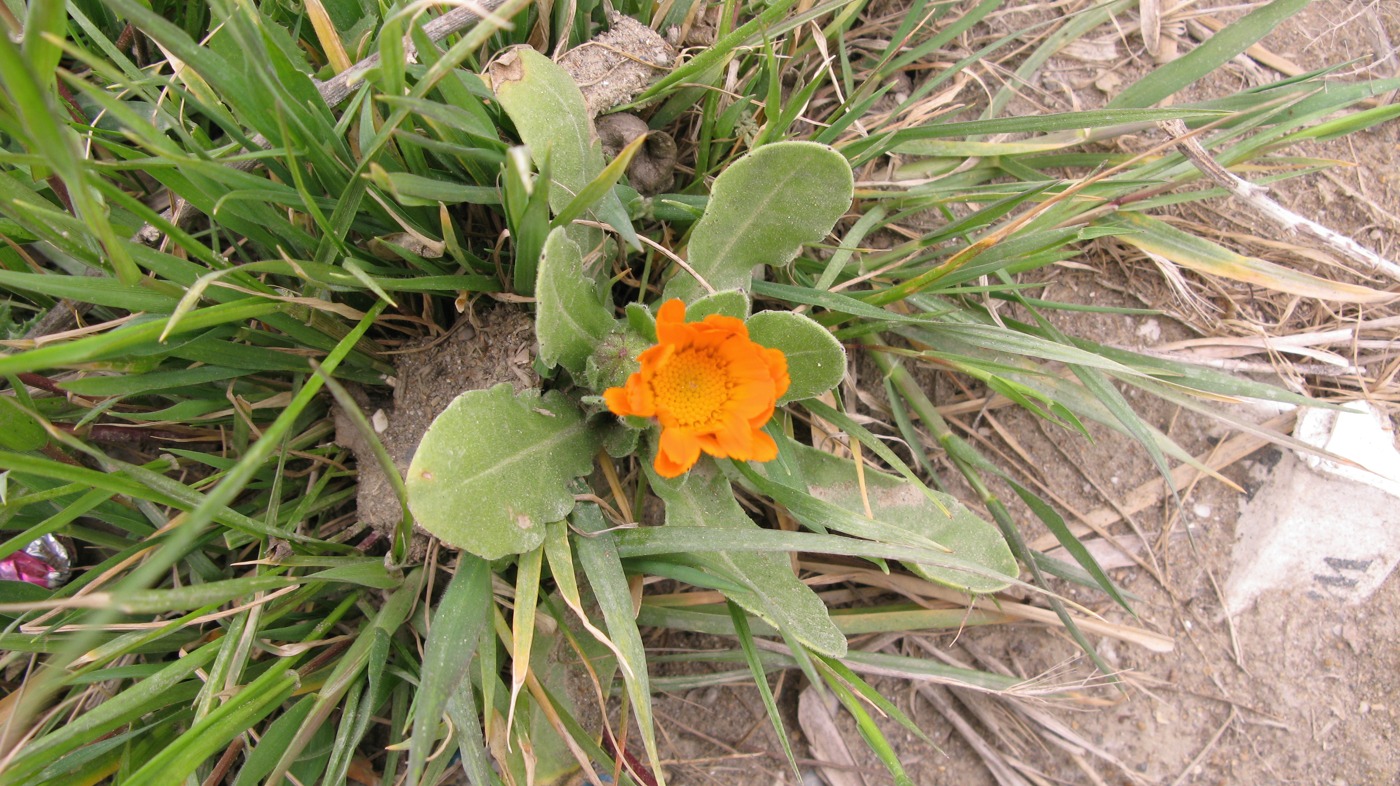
[
  {"x": 704, "y": 498},
  {"x": 763, "y": 209},
  {"x": 494, "y": 468},
  {"x": 898, "y": 503}
]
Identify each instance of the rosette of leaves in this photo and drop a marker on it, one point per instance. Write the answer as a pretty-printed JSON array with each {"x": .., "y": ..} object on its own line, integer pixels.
[{"x": 497, "y": 473}]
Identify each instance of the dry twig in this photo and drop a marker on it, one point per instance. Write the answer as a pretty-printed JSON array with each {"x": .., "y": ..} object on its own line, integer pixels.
[{"x": 1256, "y": 196}]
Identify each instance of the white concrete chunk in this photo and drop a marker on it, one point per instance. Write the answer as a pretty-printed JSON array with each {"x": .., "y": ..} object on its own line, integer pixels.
[
  {"x": 1363, "y": 436},
  {"x": 1330, "y": 529}
]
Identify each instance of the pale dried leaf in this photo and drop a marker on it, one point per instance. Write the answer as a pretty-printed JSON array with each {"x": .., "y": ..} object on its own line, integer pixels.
[{"x": 816, "y": 716}]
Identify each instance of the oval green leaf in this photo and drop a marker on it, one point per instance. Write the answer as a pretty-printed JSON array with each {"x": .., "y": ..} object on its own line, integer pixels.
[
  {"x": 548, "y": 111},
  {"x": 816, "y": 360},
  {"x": 763, "y": 209},
  {"x": 494, "y": 468},
  {"x": 570, "y": 318},
  {"x": 730, "y": 303}
]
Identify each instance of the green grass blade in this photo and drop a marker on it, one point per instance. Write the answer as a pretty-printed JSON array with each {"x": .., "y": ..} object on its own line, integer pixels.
[
  {"x": 1056, "y": 524},
  {"x": 598, "y": 556},
  {"x": 457, "y": 626},
  {"x": 867, "y": 727},
  {"x": 1213, "y": 53},
  {"x": 146, "y": 695},
  {"x": 522, "y": 624},
  {"x": 760, "y": 678},
  {"x": 235, "y": 716}
]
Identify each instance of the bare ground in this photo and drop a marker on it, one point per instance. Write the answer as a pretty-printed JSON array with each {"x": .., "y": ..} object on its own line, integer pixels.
[{"x": 1300, "y": 689}]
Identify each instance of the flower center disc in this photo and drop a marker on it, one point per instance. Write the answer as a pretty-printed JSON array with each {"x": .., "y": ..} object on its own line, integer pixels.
[{"x": 693, "y": 387}]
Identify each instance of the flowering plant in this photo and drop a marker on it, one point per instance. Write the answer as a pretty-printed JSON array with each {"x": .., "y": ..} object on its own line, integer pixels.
[
  {"x": 694, "y": 385},
  {"x": 709, "y": 386}
]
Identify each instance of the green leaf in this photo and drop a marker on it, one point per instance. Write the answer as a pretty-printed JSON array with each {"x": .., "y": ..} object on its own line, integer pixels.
[
  {"x": 18, "y": 429},
  {"x": 570, "y": 318},
  {"x": 98, "y": 290},
  {"x": 704, "y": 498},
  {"x": 897, "y": 502},
  {"x": 565, "y": 666},
  {"x": 21, "y": 592},
  {"x": 494, "y": 468},
  {"x": 135, "y": 334},
  {"x": 366, "y": 574},
  {"x": 366, "y": 656},
  {"x": 527, "y": 214},
  {"x": 275, "y": 738},
  {"x": 1213, "y": 53},
  {"x": 239, "y": 713},
  {"x": 522, "y": 623},
  {"x": 730, "y": 303},
  {"x": 763, "y": 209},
  {"x": 1043, "y": 123},
  {"x": 597, "y": 556},
  {"x": 1056, "y": 524},
  {"x": 458, "y": 622},
  {"x": 548, "y": 111},
  {"x": 601, "y": 187},
  {"x": 150, "y": 382},
  {"x": 816, "y": 360},
  {"x": 869, "y": 729},
  {"x": 760, "y": 678},
  {"x": 416, "y": 191},
  {"x": 169, "y": 685},
  {"x": 642, "y": 322},
  {"x": 44, "y": 29}
]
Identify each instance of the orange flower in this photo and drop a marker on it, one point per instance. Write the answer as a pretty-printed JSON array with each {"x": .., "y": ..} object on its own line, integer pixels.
[{"x": 710, "y": 387}]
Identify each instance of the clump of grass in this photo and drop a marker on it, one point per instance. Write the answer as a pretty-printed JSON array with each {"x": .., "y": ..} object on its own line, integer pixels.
[{"x": 203, "y": 250}]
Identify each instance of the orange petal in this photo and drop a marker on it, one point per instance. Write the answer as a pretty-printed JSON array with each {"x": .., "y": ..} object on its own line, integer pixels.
[
  {"x": 778, "y": 369},
  {"x": 667, "y": 468},
  {"x": 678, "y": 452},
  {"x": 727, "y": 325},
  {"x": 736, "y": 438},
  {"x": 671, "y": 327},
  {"x": 754, "y": 393},
  {"x": 710, "y": 445},
  {"x": 616, "y": 399},
  {"x": 653, "y": 357},
  {"x": 764, "y": 448},
  {"x": 640, "y": 398},
  {"x": 758, "y": 421}
]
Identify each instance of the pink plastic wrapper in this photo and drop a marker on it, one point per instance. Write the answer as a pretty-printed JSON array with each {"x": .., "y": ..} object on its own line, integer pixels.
[{"x": 43, "y": 562}]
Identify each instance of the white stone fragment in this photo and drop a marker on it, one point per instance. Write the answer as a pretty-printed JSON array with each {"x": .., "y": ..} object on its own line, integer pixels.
[
  {"x": 1362, "y": 436},
  {"x": 1317, "y": 525}
]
